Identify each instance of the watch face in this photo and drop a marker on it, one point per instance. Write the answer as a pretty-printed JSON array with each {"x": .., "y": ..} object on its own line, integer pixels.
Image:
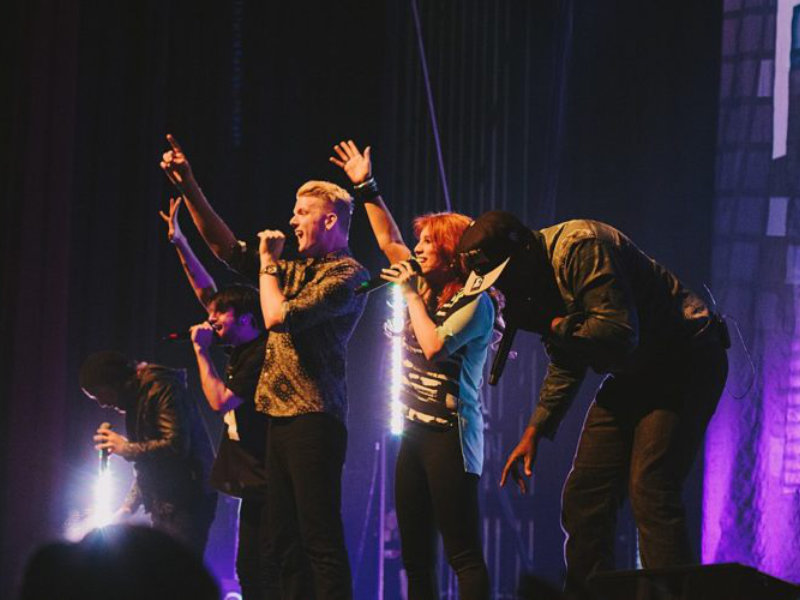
[{"x": 270, "y": 270}]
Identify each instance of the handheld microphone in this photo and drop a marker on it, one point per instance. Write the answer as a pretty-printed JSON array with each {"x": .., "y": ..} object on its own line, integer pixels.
[
  {"x": 177, "y": 336},
  {"x": 185, "y": 336},
  {"x": 377, "y": 282},
  {"x": 104, "y": 453},
  {"x": 499, "y": 362}
]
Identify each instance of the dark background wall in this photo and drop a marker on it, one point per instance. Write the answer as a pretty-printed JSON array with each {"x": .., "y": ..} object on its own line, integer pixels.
[{"x": 550, "y": 109}]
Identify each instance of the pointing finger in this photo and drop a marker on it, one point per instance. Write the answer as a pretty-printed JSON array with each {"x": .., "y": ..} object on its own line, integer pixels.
[
  {"x": 174, "y": 143},
  {"x": 504, "y": 475}
]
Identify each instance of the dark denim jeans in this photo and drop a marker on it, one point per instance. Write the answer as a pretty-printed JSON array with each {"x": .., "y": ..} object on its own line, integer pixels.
[
  {"x": 305, "y": 456},
  {"x": 640, "y": 438},
  {"x": 433, "y": 494}
]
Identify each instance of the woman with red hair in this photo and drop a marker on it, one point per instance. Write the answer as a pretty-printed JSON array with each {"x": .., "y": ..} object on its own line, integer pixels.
[{"x": 445, "y": 343}]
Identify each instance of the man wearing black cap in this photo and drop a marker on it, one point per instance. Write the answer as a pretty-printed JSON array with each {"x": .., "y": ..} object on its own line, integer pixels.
[{"x": 601, "y": 303}]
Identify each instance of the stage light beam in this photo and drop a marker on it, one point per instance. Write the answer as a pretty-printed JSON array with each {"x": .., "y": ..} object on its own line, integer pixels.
[
  {"x": 395, "y": 326},
  {"x": 102, "y": 511}
]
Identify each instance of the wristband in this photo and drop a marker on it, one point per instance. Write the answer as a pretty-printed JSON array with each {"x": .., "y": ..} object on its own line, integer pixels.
[{"x": 366, "y": 190}]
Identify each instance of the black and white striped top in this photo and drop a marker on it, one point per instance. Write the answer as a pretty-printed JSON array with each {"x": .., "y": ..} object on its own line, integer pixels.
[{"x": 444, "y": 391}]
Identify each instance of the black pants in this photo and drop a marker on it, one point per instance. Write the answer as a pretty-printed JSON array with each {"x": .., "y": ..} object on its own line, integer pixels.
[
  {"x": 433, "y": 492},
  {"x": 305, "y": 456},
  {"x": 640, "y": 438},
  {"x": 256, "y": 569},
  {"x": 189, "y": 522}
]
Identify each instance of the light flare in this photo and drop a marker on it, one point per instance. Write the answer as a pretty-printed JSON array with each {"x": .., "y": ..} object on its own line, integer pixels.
[
  {"x": 102, "y": 512},
  {"x": 395, "y": 327}
]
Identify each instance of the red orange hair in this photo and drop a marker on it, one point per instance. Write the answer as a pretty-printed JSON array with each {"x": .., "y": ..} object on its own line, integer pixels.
[{"x": 445, "y": 229}]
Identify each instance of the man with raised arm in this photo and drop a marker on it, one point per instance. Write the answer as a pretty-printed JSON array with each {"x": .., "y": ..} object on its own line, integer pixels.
[
  {"x": 310, "y": 309},
  {"x": 239, "y": 470}
]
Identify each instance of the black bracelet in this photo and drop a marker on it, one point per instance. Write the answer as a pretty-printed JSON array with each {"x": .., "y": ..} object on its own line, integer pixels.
[{"x": 366, "y": 190}]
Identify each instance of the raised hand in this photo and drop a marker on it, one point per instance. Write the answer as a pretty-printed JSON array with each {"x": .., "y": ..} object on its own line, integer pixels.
[
  {"x": 174, "y": 233},
  {"x": 270, "y": 245},
  {"x": 175, "y": 164},
  {"x": 356, "y": 165}
]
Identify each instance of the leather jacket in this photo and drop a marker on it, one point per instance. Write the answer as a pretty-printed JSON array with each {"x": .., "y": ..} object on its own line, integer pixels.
[
  {"x": 620, "y": 310},
  {"x": 168, "y": 443}
]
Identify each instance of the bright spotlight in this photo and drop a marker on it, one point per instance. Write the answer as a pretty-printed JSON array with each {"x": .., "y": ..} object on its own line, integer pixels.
[
  {"x": 102, "y": 512},
  {"x": 395, "y": 327}
]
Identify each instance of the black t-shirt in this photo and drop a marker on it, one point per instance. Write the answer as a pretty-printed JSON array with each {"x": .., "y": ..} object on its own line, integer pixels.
[{"x": 239, "y": 467}]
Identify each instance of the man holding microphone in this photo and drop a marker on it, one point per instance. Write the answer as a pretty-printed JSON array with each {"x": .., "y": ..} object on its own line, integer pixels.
[
  {"x": 310, "y": 309},
  {"x": 239, "y": 471}
]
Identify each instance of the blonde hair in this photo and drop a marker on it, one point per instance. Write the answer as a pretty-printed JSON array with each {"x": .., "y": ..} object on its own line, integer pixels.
[{"x": 337, "y": 197}]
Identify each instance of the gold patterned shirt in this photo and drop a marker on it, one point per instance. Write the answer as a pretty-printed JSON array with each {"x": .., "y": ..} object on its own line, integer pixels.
[{"x": 305, "y": 362}]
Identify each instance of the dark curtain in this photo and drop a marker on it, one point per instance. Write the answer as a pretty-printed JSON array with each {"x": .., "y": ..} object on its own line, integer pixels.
[
  {"x": 38, "y": 135},
  {"x": 256, "y": 92},
  {"x": 641, "y": 122}
]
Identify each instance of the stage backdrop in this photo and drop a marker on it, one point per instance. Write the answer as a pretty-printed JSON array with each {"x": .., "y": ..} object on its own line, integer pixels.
[{"x": 752, "y": 482}]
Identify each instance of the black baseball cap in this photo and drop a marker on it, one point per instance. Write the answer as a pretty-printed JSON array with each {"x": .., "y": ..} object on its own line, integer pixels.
[{"x": 487, "y": 245}]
